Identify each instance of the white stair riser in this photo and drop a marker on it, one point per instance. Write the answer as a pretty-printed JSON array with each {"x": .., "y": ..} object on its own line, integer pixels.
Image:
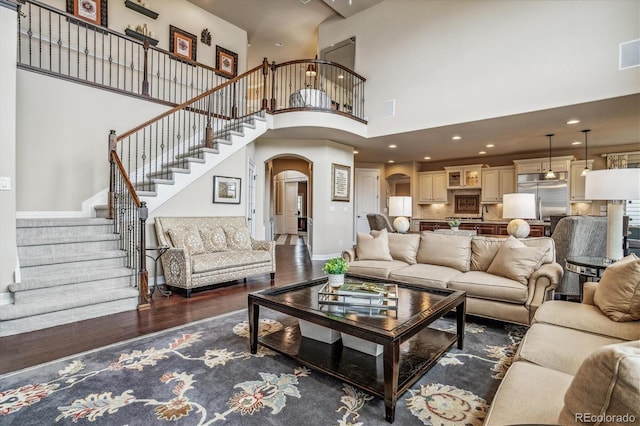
[{"x": 29, "y": 271}]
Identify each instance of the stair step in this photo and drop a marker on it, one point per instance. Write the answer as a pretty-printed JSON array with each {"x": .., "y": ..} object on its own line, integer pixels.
[
  {"x": 167, "y": 173},
  {"x": 66, "y": 239},
  {"x": 28, "y": 228},
  {"x": 198, "y": 153},
  {"x": 50, "y": 247},
  {"x": 62, "y": 278},
  {"x": 72, "y": 290},
  {"x": 32, "y": 266},
  {"x": 16, "y": 319}
]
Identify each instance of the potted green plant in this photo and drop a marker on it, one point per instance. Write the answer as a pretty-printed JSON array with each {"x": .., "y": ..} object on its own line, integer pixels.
[
  {"x": 336, "y": 268},
  {"x": 453, "y": 224}
]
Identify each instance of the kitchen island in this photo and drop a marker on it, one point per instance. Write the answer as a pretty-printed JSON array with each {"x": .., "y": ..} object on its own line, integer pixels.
[{"x": 486, "y": 227}]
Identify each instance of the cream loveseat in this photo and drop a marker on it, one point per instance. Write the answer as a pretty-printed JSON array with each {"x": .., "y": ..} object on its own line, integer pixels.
[
  {"x": 579, "y": 363},
  {"x": 504, "y": 278},
  {"x": 211, "y": 250}
]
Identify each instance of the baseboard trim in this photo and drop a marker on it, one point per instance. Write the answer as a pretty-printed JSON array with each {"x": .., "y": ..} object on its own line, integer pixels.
[{"x": 6, "y": 298}]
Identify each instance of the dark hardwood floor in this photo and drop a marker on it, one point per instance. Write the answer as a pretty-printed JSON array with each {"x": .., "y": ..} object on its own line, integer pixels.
[{"x": 28, "y": 349}]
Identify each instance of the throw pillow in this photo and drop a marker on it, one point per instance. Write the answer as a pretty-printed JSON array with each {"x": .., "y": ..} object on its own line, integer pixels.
[
  {"x": 238, "y": 238},
  {"x": 516, "y": 261},
  {"x": 373, "y": 248},
  {"x": 618, "y": 292},
  {"x": 187, "y": 237},
  {"x": 214, "y": 239},
  {"x": 402, "y": 246},
  {"x": 605, "y": 385},
  {"x": 453, "y": 251},
  {"x": 483, "y": 250}
]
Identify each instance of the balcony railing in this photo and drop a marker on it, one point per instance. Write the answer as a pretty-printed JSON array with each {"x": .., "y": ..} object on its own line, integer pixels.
[{"x": 55, "y": 42}]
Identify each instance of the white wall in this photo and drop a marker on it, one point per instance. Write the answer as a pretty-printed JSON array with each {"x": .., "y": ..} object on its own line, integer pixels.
[
  {"x": 8, "y": 40},
  {"x": 184, "y": 15},
  {"x": 332, "y": 220},
  {"x": 452, "y": 61},
  {"x": 62, "y": 135}
]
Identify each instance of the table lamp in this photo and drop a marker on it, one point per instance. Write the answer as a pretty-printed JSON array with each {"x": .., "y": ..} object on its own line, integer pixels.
[
  {"x": 616, "y": 186},
  {"x": 519, "y": 206},
  {"x": 401, "y": 208}
]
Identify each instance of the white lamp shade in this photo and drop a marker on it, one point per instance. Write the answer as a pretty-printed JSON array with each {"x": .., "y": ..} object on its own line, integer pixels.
[
  {"x": 400, "y": 206},
  {"x": 519, "y": 206},
  {"x": 613, "y": 184}
]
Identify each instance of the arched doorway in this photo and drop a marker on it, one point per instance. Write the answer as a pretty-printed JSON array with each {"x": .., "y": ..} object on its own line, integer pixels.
[{"x": 290, "y": 198}]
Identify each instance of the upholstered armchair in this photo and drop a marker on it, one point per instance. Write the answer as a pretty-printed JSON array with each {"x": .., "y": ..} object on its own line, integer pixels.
[
  {"x": 378, "y": 222},
  {"x": 578, "y": 236}
]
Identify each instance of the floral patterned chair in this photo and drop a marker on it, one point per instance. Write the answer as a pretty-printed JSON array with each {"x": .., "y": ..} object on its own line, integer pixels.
[{"x": 211, "y": 250}]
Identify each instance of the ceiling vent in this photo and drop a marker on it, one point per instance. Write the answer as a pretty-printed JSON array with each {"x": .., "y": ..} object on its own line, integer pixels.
[{"x": 630, "y": 54}]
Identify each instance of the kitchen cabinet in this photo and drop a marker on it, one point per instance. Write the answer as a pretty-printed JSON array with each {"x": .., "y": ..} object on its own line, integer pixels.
[
  {"x": 577, "y": 181},
  {"x": 432, "y": 226},
  {"x": 497, "y": 181},
  {"x": 464, "y": 176},
  {"x": 482, "y": 228},
  {"x": 541, "y": 165},
  {"x": 432, "y": 187}
]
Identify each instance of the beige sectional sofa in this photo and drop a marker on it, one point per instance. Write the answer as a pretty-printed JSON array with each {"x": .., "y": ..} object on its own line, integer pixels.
[
  {"x": 210, "y": 250},
  {"x": 579, "y": 363},
  {"x": 504, "y": 278}
]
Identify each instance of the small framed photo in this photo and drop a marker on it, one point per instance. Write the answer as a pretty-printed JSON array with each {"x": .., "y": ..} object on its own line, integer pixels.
[
  {"x": 93, "y": 11},
  {"x": 340, "y": 182},
  {"x": 182, "y": 44},
  {"x": 226, "y": 190},
  {"x": 226, "y": 62}
]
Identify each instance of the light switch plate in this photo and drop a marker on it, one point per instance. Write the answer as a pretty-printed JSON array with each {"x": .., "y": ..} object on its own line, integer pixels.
[{"x": 5, "y": 183}]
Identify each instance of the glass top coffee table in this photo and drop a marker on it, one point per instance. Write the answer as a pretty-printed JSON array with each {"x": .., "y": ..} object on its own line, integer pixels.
[{"x": 410, "y": 346}]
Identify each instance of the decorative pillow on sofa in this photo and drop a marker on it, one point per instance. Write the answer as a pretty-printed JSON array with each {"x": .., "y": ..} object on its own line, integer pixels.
[
  {"x": 516, "y": 261},
  {"x": 238, "y": 238},
  {"x": 483, "y": 250},
  {"x": 402, "y": 246},
  {"x": 618, "y": 292},
  {"x": 214, "y": 239},
  {"x": 187, "y": 237},
  {"x": 373, "y": 248},
  {"x": 445, "y": 250},
  {"x": 606, "y": 384}
]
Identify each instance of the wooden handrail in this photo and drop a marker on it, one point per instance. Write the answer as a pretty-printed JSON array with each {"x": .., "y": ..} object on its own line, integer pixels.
[
  {"x": 125, "y": 176},
  {"x": 187, "y": 103}
]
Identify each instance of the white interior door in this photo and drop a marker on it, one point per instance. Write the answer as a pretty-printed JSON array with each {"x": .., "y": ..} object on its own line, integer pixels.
[
  {"x": 291, "y": 207},
  {"x": 251, "y": 198},
  {"x": 367, "y": 197}
]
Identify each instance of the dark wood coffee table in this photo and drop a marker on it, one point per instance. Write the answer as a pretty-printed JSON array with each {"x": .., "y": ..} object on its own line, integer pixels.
[{"x": 410, "y": 347}]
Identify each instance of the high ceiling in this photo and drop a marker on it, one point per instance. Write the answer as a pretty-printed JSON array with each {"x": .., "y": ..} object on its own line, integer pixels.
[{"x": 294, "y": 23}]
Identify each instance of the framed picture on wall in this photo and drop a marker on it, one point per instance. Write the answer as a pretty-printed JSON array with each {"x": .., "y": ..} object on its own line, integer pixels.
[
  {"x": 226, "y": 62},
  {"x": 93, "y": 11},
  {"x": 340, "y": 182},
  {"x": 182, "y": 44},
  {"x": 226, "y": 190}
]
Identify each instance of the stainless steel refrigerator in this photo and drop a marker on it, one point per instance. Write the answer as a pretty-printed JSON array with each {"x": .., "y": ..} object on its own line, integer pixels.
[{"x": 552, "y": 195}]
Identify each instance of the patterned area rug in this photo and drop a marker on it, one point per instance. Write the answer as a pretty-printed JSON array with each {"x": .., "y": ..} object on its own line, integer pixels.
[{"x": 203, "y": 373}]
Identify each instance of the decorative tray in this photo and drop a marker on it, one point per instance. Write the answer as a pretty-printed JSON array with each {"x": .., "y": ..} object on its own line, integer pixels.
[{"x": 361, "y": 294}]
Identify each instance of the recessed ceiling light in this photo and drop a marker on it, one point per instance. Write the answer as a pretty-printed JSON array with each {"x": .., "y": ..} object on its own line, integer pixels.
[
  {"x": 393, "y": 146},
  {"x": 391, "y": 161},
  {"x": 456, "y": 138},
  {"x": 573, "y": 121},
  {"x": 341, "y": 76},
  {"x": 576, "y": 143},
  {"x": 279, "y": 43},
  {"x": 490, "y": 145},
  {"x": 482, "y": 152},
  {"x": 427, "y": 158},
  {"x": 356, "y": 152},
  {"x": 248, "y": 44}
]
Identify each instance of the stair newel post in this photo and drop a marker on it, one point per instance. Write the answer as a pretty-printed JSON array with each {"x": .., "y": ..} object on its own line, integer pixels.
[
  {"x": 273, "y": 86},
  {"x": 234, "y": 107},
  {"x": 112, "y": 172},
  {"x": 265, "y": 73},
  {"x": 145, "y": 78},
  {"x": 143, "y": 280},
  {"x": 208, "y": 141}
]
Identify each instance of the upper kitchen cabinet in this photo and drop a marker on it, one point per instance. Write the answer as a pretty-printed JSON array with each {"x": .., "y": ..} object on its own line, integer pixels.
[
  {"x": 541, "y": 165},
  {"x": 576, "y": 181},
  {"x": 464, "y": 176},
  {"x": 432, "y": 187},
  {"x": 497, "y": 181}
]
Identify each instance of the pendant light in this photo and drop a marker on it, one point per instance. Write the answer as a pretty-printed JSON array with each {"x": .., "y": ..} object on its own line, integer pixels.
[
  {"x": 586, "y": 167},
  {"x": 550, "y": 174}
]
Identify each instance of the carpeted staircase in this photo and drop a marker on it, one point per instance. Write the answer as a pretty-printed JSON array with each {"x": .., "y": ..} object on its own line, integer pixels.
[{"x": 72, "y": 269}]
